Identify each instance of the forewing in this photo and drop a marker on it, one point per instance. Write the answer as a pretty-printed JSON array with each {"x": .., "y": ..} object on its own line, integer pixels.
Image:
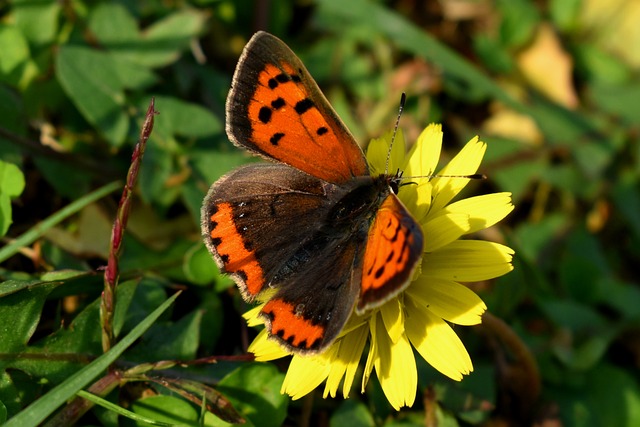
[
  {"x": 394, "y": 247},
  {"x": 276, "y": 109}
]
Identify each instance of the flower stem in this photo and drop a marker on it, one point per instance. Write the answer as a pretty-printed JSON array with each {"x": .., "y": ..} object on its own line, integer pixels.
[{"x": 107, "y": 304}]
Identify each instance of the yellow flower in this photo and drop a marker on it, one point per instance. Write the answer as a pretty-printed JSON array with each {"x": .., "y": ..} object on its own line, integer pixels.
[{"x": 419, "y": 317}]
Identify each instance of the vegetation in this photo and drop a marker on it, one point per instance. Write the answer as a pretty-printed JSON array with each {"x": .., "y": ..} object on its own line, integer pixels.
[{"x": 552, "y": 87}]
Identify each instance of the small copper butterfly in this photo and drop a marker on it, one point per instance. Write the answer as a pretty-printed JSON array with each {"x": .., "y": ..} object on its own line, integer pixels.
[{"x": 313, "y": 225}]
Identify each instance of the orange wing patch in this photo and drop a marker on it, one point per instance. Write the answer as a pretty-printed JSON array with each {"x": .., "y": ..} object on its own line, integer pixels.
[
  {"x": 232, "y": 255},
  {"x": 394, "y": 247},
  {"x": 276, "y": 109},
  {"x": 291, "y": 327},
  {"x": 288, "y": 126}
]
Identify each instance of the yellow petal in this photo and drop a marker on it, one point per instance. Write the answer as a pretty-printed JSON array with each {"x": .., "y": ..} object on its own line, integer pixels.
[
  {"x": 416, "y": 197},
  {"x": 393, "y": 319},
  {"x": 358, "y": 339},
  {"x": 373, "y": 351},
  {"x": 396, "y": 369},
  {"x": 436, "y": 342},
  {"x": 424, "y": 155},
  {"x": 378, "y": 152},
  {"x": 484, "y": 211},
  {"x": 447, "y": 299},
  {"x": 266, "y": 349},
  {"x": 466, "y": 162},
  {"x": 443, "y": 229},
  {"x": 468, "y": 261},
  {"x": 251, "y": 316},
  {"x": 306, "y": 373},
  {"x": 346, "y": 361}
]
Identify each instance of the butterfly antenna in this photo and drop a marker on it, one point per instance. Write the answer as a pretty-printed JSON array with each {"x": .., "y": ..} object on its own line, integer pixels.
[{"x": 403, "y": 99}]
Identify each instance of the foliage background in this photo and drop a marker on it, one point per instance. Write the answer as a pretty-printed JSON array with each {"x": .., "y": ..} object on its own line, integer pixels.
[{"x": 551, "y": 86}]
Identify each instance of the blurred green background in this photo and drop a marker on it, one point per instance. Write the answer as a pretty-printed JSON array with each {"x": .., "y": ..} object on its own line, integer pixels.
[{"x": 552, "y": 86}]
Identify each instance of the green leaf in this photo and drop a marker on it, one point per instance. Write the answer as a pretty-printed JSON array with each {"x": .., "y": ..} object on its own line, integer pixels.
[
  {"x": 113, "y": 25},
  {"x": 158, "y": 167},
  {"x": 599, "y": 66},
  {"x": 585, "y": 355},
  {"x": 15, "y": 55},
  {"x": 3, "y": 412},
  {"x": 177, "y": 340},
  {"x": 620, "y": 100},
  {"x": 254, "y": 390},
  {"x": 583, "y": 264},
  {"x": 165, "y": 40},
  {"x": 533, "y": 237},
  {"x": 214, "y": 164},
  {"x": 125, "y": 293},
  {"x": 166, "y": 409},
  {"x": 352, "y": 413},
  {"x": 493, "y": 56},
  {"x": 623, "y": 297},
  {"x": 187, "y": 119},
  {"x": 574, "y": 316},
  {"x": 11, "y": 180},
  {"x": 36, "y": 232},
  {"x": 606, "y": 396},
  {"x": 519, "y": 20},
  {"x": 212, "y": 325},
  {"x": 199, "y": 266},
  {"x": 565, "y": 13},
  {"x": 68, "y": 182},
  {"x": 626, "y": 197},
  {"x": 21, "y": 302},
  {"x": 92, "y": 81},
  {"x": 44, "y": 406},
  {"x": 38, "y": 20},
  {"x": 149, "y": 293},
  {"x": 141, "y": 420},
  {"x": 11, "y": 185},
  {"x": 204, "y": 396}
]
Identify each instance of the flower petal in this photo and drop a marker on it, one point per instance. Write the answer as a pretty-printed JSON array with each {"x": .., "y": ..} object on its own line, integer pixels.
[
  {"x": 484, "y": 211},
  {"x": 265, "y": 349},
  {"x": 468, "y": 261},
  {"x": 396, "y": 369},
  {"x": 436, "y": 342},
  {"x": 444, "y": 229},
  {"x": 423, "y": 158},
  {"x": 346, "y": 361},
  {"x": 373, "y": 351},
  {"x": 466, "y": 162},
  {"x": 251, "y": 316},
  {"x": 449, "y": 300},
  {"x": 416, "y": 198},
  {"x": 306, "y": 373},
  {"x": 393, "y": 319},
  {"x": 378, "y": 151}
]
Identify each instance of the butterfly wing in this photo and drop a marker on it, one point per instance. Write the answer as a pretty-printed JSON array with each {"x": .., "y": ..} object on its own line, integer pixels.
[
  {"x": 394, "y": 247},
  {"x": 265, "y": 225},
  {"x": 276, "y": 109},
  {"x": 313, "y": 305}
]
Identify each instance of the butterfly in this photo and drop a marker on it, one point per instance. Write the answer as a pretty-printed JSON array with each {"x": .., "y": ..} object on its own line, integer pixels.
[{"x": 313, "y": 226}]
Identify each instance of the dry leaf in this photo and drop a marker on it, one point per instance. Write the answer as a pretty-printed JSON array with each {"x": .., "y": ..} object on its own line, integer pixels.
[
  {"x": 548, "y": 67},
  {"x": 615, "y": 26}
]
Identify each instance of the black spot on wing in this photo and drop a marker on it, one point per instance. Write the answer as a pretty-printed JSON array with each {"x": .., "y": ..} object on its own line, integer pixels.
[
  {"x": 276, "y": 138},
  {"x": 264, "y": 115},
  {"x": 303, "y": 106}
]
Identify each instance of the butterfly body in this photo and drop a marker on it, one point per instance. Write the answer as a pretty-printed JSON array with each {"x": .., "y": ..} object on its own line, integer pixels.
[{"x": 315, "y": 226}]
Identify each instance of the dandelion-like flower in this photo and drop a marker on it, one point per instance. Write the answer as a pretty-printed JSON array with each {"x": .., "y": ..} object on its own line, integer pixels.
[{"x": 418, "y": 317}]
